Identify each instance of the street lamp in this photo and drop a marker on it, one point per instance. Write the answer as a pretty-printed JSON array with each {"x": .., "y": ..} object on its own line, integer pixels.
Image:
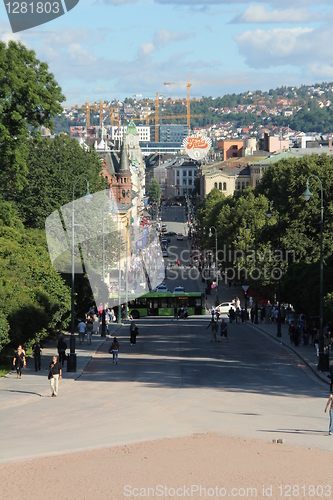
[
  {"x": 108, "y": 203},
  {"x": 307, "y": 195},
  {"x": 216, "y": 264},
  {"x": 255, "y": 267},
  {"x": 269, "y": 215},
  {"x": 71, "y": 365}
]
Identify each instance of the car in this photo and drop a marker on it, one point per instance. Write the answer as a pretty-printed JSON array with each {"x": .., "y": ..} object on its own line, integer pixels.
[
  {"x": 224, "y": 308},
  {"x": 165, "y": 253},
  {"x": 164, "y": 228},
  {"x": 179, "y": 289},
  {"x": 170, "y": 233},
  {"x": 162, "y": 288},
  {"x": 164, "y": 242},
  {"x": 180, "y": 236}
]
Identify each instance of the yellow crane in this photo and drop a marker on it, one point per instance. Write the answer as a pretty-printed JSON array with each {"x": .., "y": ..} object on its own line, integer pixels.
[
  {"x": 87, "y": 107},
  {"x": 189, "y": 84}
]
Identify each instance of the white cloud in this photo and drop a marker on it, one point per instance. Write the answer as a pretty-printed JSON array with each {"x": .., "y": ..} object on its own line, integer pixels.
[
  {"x": 263, "y": 49},
  {"x": 162, "y": 37},
  {"x": 260, "y": 14},
  {"x": 146, "y": 48}
]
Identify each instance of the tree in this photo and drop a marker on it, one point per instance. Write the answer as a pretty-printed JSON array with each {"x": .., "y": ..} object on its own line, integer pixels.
[
  {"x": 53, "y": 167},
  {"x": 29, "y": 97},
  {"x": 154, "y": 191}
]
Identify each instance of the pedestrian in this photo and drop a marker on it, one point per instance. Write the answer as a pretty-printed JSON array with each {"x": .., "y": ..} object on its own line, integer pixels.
[
  {"x": 89, "y": 330},
  {"x": 330, "y": 404},
  {"x": 114, "y": 349},
  {"x": 37, "y": 350},
  {"x": 224, "y": 330},
  {"x": 55, "y": 374},
  {"x": 95, "y": 325},
  {"x": 62, "y": 346},
  {"x": 19, "y": 361},
  {"x": 133, "y": 332},
  {"x": 215, "y": 328},
  {"x": 82, "y": 330}
]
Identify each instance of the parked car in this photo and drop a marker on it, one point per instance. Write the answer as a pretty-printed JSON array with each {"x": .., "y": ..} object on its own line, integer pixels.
[
  {"x": 162, "y": 288},
  {"x": 180, "y": 236},
  {"x": 224, "y": 308},
  {"x": 164, "y": 242},
  {"x": 165, "y": 254},
  {"x": 179, "y": 289}
]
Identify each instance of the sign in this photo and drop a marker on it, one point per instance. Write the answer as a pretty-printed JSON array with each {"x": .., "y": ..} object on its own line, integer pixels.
[
  {"x": 197, "y": 146},
  {"x": 245, "y": 288}
]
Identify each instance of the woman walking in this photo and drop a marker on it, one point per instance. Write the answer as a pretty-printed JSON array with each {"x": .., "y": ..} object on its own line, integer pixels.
[
  {"x": 330, "y": 405},
  {"x": 19, "y": 361},
  {"x": 114, "y": 349}
]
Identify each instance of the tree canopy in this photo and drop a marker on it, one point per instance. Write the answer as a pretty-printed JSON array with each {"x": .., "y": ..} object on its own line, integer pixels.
[
  {"x": 29, "y": 97},
  {"x": 154, "y": 190}
]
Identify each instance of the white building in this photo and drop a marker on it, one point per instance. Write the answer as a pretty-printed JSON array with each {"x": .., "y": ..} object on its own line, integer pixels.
[{"x": 119, "y": 132}]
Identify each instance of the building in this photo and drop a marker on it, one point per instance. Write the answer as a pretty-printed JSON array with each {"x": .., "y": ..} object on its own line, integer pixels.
[
  {"x": 231, "y": 148},
  {"x": 180, "y": 175},
  {"x": 117, "y": 133}
]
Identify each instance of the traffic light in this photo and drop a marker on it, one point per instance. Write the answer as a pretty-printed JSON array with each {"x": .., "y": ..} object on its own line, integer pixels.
[{"x": 245, "y": 295}]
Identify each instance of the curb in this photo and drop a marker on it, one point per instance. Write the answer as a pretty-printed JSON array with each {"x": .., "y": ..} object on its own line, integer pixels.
[{"x": 319, "y": 375}]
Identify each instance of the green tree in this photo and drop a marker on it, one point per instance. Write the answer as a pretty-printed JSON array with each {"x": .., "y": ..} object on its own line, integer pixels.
[
  {"x": 29, "y": 97},
  {"x": 154, "y": 191},
  {"x": 53, "y": 167}
]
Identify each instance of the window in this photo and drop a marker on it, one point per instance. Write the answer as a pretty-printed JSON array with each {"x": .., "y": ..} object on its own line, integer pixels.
[
  {"x": 238, "y": 185},
  {"x": 243, "y": 185},
  {"x": 190, "y": 182},
  {"x": 220, "y": 186},
  {"x": 247, "y": 184},
  {"x": 177, "y": 173},
  {"x": 190, "y": 173},
  {"x": 215, "y": 185},
  {"x": 234, "y": 147},
  {"x": 234, "y": 155},
  {"x": 224, "y": 186},
  {"x": 184, "y": 182}
]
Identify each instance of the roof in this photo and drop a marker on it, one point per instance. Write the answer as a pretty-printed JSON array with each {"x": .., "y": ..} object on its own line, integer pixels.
[{"x": 131, "y": 129}]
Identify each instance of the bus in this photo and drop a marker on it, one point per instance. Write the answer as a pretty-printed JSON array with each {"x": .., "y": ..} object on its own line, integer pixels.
[{"x": 163, "y": 304}]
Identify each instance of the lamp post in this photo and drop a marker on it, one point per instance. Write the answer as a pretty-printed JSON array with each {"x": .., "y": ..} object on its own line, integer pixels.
[
  {"x": 103, "y": 334},
  {"x": 255, "y": 267},
  {"x": 307, "y": 195},
  {"x": 216, "y": 264},
  {"x": 269, "y": 215},
  {"x": 119, "y": 276},
  {"x": 126, "y": 269},
  {"x": 71, "y": 365}
]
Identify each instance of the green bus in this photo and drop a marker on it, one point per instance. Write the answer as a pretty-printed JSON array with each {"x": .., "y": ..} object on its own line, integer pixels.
[{"x": 163, "y": 304}]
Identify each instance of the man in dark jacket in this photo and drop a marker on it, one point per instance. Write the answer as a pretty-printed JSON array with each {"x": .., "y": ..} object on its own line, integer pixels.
[
  {"x": 62, "y": 346},
  {"x": 37, "y": 354}
]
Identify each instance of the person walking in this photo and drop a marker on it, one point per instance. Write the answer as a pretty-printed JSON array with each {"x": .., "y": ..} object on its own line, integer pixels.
[
  {"x": 330, "y": 405},
  {"x": 95, "y": 325},
  {"x": 55, "y": 374},
  {"x": 215, "y": 328},
  {"x": 37, "y": 350},
  {"x": 19, "y": 361},
  {"x": 133, "y": 332},
  {"x": 62, "y": 346},
  {"x": 114, "y": 349},
  {"x": 82, "y": 330},
  {"x": 224, "y": 330}
]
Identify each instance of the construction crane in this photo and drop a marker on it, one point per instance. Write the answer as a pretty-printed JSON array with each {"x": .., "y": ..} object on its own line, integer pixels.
[
  {"x": 87, "y": 107},
  {"x": 189, "y": 84}
]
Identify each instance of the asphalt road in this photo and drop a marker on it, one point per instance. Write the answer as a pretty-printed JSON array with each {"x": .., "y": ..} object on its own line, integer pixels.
[{"x": 173, "y": 382}]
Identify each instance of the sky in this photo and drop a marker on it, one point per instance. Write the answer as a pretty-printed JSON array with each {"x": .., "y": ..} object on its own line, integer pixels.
[{"x": 112, "y": 49}]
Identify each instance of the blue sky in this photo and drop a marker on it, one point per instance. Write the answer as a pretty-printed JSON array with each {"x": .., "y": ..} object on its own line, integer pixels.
[{"x": 117, "y": 48}]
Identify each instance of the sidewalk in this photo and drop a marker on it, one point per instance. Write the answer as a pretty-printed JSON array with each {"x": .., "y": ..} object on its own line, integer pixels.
[
  {"x": 307, "y": 354},
  {"x": 34, "y": 383}
]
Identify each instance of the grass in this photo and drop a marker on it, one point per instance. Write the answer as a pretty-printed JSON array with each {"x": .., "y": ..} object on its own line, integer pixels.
[{"x": 4, "y": 369}]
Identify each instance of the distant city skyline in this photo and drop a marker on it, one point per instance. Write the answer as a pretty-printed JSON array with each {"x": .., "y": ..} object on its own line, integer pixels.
[{"x": 114, "y": 49}]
